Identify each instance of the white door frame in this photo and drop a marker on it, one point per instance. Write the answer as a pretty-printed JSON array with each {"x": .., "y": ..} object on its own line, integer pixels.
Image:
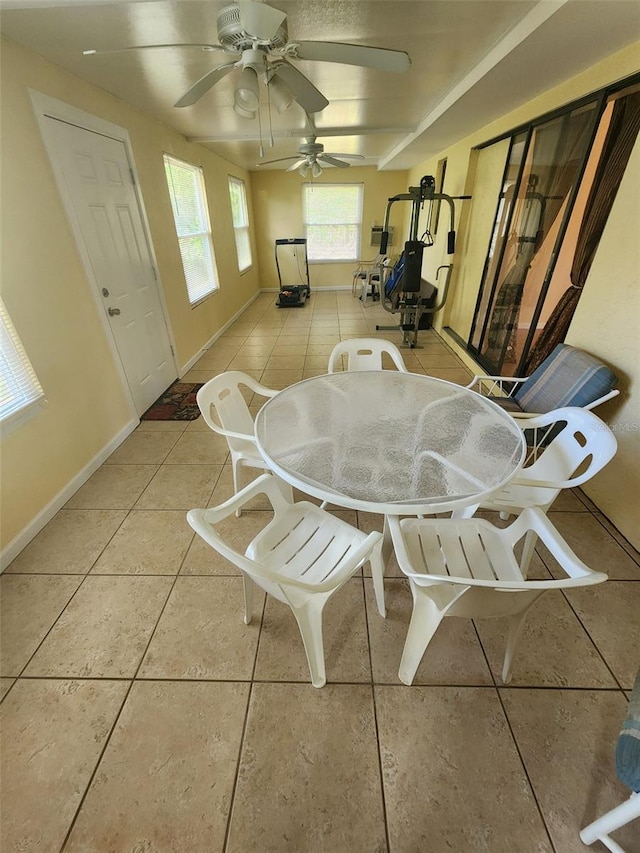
[{"x": 46, "y": 107}]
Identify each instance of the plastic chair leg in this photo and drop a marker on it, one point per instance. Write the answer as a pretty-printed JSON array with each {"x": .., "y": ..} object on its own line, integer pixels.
[
  {"x": 387, "y": 543},
  {"x": 247, "y": 584},
  {"x": 599, "y": 830},
  {"x": 425, "y": 619},
  {"x": 377, "y": 573},
  {"x": 516, "y": 624},
  {"x": 286, "y": 489},
  {"x": 309, "y": 619},
  {"x": 528, "y": 549},
  {"x": 234, "y": 471}
]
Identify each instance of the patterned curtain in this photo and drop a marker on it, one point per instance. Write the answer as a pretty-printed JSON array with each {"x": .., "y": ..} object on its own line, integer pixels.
[{"x": 620, "y": 139}]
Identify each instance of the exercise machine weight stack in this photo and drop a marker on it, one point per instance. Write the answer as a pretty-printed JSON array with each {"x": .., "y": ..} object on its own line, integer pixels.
[{"x": 295, "y": 295}]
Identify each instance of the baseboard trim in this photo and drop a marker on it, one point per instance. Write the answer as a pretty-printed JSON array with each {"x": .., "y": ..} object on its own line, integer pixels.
[
  {"x": 314, "y": 289},
  {"x": 11, "y": 551},
  {"x": 194, "y": 359}
]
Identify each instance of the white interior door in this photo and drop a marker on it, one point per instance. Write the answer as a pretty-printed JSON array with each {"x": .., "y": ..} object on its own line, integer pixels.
[{"x": 100, "y": 185}]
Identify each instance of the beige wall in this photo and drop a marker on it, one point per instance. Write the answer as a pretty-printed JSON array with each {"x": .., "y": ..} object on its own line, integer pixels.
[
  {"x": 607, "y": 322},
  {"x": 48, "y": 295},
  {"x": 278, "y": 213}
]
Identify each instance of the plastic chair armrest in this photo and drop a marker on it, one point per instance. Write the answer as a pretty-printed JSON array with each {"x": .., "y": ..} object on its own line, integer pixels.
[
  {"x": 245, "y": 436},
  {"x": 603, "y": 399},
  {"x": 265, "y": 484},
  {"x": 257, "y": 388},
  {"x": 533, "y": 519},
  {"x": 497, "y": 384}
]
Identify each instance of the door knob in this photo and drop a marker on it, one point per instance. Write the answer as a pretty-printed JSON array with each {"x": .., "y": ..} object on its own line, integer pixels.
[{"x": 113, "y": 312}]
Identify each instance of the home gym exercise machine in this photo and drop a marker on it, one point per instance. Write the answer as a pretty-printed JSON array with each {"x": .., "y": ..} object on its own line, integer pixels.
[
  {"x": 405, "y": 292},
  {"x": 293, "y": 295}
]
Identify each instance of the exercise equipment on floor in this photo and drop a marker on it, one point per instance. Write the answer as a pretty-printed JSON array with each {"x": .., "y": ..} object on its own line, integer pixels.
[
  {"x": 405, "y": 292},
  {"x": 293, "y": 295}
]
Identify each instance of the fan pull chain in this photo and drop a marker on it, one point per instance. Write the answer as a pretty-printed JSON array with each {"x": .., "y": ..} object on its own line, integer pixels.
[
  {"x": 271, "y": 142},
  {"x": 261, "y": 149}
]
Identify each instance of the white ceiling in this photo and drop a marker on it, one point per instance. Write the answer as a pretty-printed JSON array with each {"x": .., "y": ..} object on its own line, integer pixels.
[{"x": 472, "y": 61}]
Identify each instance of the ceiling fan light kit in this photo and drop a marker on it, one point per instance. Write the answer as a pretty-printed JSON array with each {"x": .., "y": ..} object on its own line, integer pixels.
[
  {"x": 280, "y": 94},
  {"x": 247, "y": 94}
]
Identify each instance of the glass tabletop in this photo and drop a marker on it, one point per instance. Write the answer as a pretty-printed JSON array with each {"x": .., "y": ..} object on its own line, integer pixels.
[{"x": 389, "y": 442}]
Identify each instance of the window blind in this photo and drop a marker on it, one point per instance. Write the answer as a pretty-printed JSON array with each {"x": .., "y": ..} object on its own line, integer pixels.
[
  {"x": 332, "y": 215},
  {"x": 189, "y": 205},
  {"x": 19, "y": 385}
]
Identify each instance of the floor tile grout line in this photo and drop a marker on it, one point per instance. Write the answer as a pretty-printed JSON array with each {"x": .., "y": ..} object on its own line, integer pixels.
[
  {"x": 593, "y": 642},
  {"x": 162, "y": 610},
  {"x": 375, "y": 714},
  {"x": 257, "y": 651},
  {"x": 577, "y": 615},
  {"x": 234, "y": 787},
  {"x": 304, "y": 682},
  {"x": 524, "y": 768},
  {"x": 54, "y": 623},
  {"x": 95, "y": 769}
]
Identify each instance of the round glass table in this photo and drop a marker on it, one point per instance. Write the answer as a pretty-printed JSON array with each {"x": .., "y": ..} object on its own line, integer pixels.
[{"x": 389, "y": 442}]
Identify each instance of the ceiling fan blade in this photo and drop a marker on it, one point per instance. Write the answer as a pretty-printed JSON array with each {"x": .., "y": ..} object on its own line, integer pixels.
[
  {"x": 303, "y": 90},
  {"x": 205, "y": 47},
  {"x": 351, "y": 54},
  {"x": 297, "y": 165},
  {"x": 327, "y": 158},
  {"x": 259, "y": 20},
  {"x": 201, "y": 86},
  {"x": 278, "y": 160},
  {"x": 348, "y": 156}
]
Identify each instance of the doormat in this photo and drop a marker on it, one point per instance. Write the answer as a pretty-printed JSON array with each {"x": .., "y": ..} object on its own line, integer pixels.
[{"x": 178, "y": 403}]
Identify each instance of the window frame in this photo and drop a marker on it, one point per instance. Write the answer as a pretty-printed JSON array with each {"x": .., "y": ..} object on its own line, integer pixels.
[
  {"x": 312, "y": 187},
  {"x": 196, "y": 295},
  {"x": 242, "y": 228},
  {"x": 21, "y": 393}
]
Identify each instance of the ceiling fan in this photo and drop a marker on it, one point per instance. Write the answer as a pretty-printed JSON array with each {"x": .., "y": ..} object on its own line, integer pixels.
[
  {"x": 256, "y": 35},
  {"x": 311, "y": 157}
]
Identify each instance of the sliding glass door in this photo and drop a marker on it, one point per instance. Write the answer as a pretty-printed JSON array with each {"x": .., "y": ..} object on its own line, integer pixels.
[{"x": 543, "y": 170}]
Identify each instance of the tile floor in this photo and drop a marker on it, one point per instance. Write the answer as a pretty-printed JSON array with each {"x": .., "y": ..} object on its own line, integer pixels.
[{"x": 141, "y": 714}]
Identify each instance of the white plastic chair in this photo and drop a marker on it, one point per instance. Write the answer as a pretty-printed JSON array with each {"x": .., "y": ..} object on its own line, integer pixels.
[
  {"x": 581, "y": 446},
  {"x": 223, "y": 393},
  {"x": 365, "y": 354},
  {"x": 467, "y": 567},
  {"x": 301, "y": 558},
  {"x": 369, "y": 275}
]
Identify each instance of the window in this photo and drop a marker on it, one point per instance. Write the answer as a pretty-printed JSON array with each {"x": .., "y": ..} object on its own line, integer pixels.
[
  {"x": 189, "y": 205},
  {"x": 240, "y": 222},
  {"x": 332, "y": 216},
  {"x": 19, "y": 386}
]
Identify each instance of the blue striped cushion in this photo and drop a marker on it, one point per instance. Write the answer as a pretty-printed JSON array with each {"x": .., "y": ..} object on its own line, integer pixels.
[
  {"x": 568, "y": 377},
  {"x": 628, "y": 748}
]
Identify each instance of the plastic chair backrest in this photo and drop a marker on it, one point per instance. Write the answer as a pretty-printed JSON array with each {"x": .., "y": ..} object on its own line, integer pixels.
[
  {"x": 365, "y": 354},
  {"x": 223, "y": 393},
  {"x": 581, "y": 446},
  {"x": 568, "y": 377}
]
